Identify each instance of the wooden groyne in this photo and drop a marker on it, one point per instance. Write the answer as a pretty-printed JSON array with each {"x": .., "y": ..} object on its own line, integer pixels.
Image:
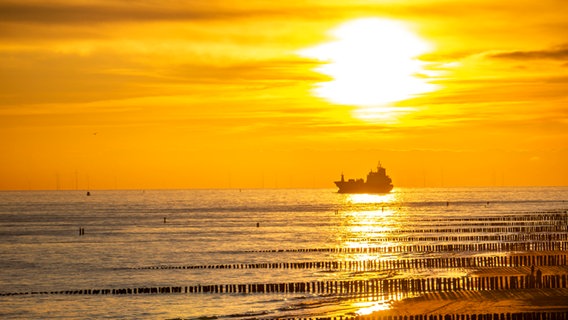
[
  {"x": 559, "y": 215},
  {"x": 537, "y": 222},
  {"x": 444, "y": 247},
  {"x": 517, "y": 237},
  {"x": 377, "y": 265},
  {"x": 372, "y": 287},
  {"x": 541, "y": 315},
  {"x": 478, "y": 229}
]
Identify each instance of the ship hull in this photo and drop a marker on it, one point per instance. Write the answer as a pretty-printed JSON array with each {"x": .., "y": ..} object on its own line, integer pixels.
[{"x": 354, "y": 187}]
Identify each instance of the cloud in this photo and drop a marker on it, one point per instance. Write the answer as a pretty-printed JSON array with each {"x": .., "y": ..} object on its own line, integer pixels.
[
  {"x": 100, "y": 13},
  {"x": 260, "y": 70},
  {"x": 556, "y": 53},
  {"x": 69, "y": 12}
]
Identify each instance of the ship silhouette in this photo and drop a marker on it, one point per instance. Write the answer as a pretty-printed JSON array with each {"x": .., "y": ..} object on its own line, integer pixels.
[{"x": 377, "y": 182}]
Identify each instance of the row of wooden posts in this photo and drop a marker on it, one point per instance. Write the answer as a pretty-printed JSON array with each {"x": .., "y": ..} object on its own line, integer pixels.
[
  {"x": 558, "y": 215},
  {"x": 473, "y": 229},
  {"x": 462, "y": 238},
  {"x": 486, "y": 223},
  {"x": 485, "y": 246},
  {"x": 539, "y": 315},
  {"x": 417, "y": 263},
  {"x": 345, "y": 287}
]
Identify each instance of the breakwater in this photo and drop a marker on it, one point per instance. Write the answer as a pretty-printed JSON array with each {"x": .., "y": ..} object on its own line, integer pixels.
[
  {"x": 538, "y": 237},
  {"x": 402, "y": 286},
  {"x": 412, "y": 263},
  {"x": 477, "y": 247},
  {"x": 536, "y": 216},
  {"x": 544, "y": 315}
]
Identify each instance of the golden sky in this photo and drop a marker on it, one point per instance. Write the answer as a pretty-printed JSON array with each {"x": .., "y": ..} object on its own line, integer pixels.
[{"x": 105, "y": 94}]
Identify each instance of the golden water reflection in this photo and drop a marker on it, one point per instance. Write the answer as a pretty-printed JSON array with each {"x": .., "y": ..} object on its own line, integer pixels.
[
  {"x": 370, "y": 220},
  {"x": 366, "y": 308},
  {"x": 365, "y": 198}
]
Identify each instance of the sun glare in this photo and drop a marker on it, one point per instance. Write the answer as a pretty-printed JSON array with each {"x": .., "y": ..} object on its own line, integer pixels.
[
  {"x": 372, "y": 64},
  {"x": 365, "y": 198}
]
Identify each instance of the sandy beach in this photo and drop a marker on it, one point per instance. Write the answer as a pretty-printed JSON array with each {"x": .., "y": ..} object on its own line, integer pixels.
[{"x": 501, "y": 301}]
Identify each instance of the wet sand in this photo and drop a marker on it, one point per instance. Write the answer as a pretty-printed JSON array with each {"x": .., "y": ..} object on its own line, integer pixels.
[
  {"x": 482, "y": 302},
  {"x": 487, "y": 302}
]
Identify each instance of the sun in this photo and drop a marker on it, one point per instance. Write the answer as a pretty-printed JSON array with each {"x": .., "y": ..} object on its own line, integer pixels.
[{"x": 372, "y": 63}]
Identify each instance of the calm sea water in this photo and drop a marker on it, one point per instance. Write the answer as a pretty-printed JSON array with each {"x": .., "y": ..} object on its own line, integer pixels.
[{"x": 128, "y": 244}]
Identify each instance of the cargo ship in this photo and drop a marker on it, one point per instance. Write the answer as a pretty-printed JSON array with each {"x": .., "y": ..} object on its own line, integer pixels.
[{"x": 377, "y": 182}]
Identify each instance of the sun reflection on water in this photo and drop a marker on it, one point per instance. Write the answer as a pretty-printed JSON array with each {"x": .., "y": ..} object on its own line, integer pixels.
[
  {"x": 370, "y": 221},
  {"x": 366, "y": 198},
  {"x": 366, "y": 308},
  {"x": 369, "y": 217}
]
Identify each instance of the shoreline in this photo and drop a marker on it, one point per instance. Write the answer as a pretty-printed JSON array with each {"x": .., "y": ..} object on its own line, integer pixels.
[
  {"x": 525, "y": 298},
  {"x": 480, "y": 302}
]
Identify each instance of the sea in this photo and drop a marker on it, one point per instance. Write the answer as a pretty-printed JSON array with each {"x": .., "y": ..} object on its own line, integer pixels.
[{"x": 69, "y": 255}]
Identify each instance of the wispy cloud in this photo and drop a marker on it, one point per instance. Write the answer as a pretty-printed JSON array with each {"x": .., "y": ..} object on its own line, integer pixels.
[
  {"x": 100, "y": 12},
  {"x": 556, "y": 53},
  {"x": 64, "y": 13}
]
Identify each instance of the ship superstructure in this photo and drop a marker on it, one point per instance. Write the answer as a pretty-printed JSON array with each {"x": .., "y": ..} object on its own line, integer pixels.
[{"x": 377, "y": 182}]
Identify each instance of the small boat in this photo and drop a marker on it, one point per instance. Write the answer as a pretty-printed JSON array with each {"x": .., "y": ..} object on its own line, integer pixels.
[{"x": 377, "y": 182}]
